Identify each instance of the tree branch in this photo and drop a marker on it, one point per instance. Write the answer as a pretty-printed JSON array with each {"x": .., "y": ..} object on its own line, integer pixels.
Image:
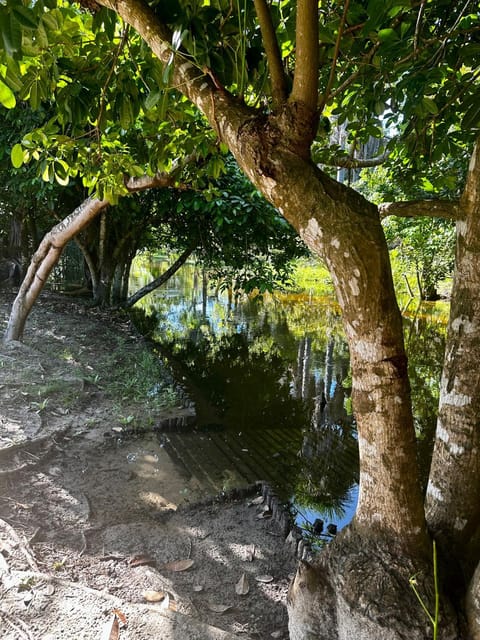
[
  {"x": 43, "y": 261},
  {"x": 305, "y": 82},
  {"x": 446, "y": 209},
  {"x": 166, "y": 275},
  {"x": 272, "y": 50},
  {"x": 163, "y": 179},
  {"x": 347, "y": 162},
  {"x": 326, "y": 93},
  {"x": 158, "y": 181},
  {"x": 53, "y": 243},
  {"x": 198, "y": 85}
]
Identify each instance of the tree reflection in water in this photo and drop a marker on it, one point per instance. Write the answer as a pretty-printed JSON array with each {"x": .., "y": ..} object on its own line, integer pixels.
[{"x": 271, "y": 383}]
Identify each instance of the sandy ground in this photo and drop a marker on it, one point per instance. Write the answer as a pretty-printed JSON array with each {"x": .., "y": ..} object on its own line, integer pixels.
[{"x": 102, "y": 536}]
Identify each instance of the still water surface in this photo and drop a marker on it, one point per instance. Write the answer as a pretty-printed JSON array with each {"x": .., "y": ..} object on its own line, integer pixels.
[{"x": 271, "y": 384}]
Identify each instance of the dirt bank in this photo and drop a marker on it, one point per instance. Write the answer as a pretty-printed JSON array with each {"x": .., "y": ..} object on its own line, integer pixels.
[{"x": 95, "y": 518}]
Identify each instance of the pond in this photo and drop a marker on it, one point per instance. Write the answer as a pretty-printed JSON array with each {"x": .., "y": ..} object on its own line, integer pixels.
[{"x": 271, "y": 384}]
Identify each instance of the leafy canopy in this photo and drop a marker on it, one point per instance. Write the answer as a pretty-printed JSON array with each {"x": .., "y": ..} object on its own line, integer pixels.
[{"x": 405, "y": 73}]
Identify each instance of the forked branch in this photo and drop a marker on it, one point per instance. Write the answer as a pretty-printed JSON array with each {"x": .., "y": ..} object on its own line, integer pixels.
[{"x": 305, "y": 82}]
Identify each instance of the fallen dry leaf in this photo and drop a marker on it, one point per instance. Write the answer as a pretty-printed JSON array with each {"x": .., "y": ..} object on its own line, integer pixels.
[
  {"x": 218, "y": 608},
  {"x": 121, "y": 616},
  {"x": 242, "y": 587},
  {"x": 153, "y": 596},
  {"x": 197, "y": 588},
  {"x": 178, "y": 565},
  {"x": 264, "y": 578},
  {"x": 49, "y": 589},
  {"x": 255, "y": 501},
  {"x": 111, "y": 630}
]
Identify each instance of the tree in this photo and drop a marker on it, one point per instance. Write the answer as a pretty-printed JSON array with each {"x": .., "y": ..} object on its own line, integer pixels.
[{"x": 266, "y": 77}]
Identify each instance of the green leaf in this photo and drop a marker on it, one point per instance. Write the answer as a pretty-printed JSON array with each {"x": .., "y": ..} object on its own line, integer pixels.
[
  {"x": 11, "y": 34},
  {"x": 25, "y": 16},
  {"x": 7, "y": 97},
  {"x": 47, "y": 175},
  {"x": 34, "y": 95},
  {"x": 387, "y": 35},
  {"x": 17, "y": 156},
  {"x": 13, "y": 76},
  {"x": 430, "y": 105},
  {"x": 126, "y": 112}
]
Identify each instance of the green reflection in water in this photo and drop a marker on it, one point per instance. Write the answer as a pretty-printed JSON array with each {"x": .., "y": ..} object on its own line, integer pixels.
[{"x": 271, "y": 383}]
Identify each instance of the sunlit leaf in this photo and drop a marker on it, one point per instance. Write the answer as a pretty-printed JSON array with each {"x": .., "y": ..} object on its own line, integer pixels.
[
  {"x": 264, "y": 578},
  {"x": 7, "y": 97},
  {"x": 17, "y": 155},
  {"x": 111, "y": 630},
  {"x": 121, "y": 616}
]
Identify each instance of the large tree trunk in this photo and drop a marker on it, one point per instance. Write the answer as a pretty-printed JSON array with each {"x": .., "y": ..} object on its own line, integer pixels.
[
  {"x": 43, "y": 261},
  {"x": 453, "y": 493},
  {"x": 360, "y": 587}
]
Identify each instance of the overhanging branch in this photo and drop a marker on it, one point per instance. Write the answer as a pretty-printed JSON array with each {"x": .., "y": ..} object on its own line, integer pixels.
[
  {"x": 197, "y": 84},
  {"x": 446, "y": 209}
]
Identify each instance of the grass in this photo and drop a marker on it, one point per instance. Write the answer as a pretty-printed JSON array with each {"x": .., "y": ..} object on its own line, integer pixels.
[
  {"x": 432, "y": 617},
  {"x": 135, "y": 376}
]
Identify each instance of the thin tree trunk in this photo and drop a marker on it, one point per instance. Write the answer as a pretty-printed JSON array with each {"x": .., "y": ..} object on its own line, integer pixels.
[
  {"x": 453, "y": 493},
  {"x": 161, "y": 279},
  {"x": 44, "y": 260}
]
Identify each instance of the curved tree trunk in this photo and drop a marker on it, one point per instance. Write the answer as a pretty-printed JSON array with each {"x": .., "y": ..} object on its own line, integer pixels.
[{"x": 43, "y": 261}]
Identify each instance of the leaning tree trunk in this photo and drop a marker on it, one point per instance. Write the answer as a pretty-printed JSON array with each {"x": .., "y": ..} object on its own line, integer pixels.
[
  {"x": 453, "y": 493},
  {"x": 154, "y": 284},
  {"x": 44, "y": 260}
]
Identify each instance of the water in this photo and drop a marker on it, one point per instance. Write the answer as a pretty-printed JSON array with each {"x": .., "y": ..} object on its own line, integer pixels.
[{"x": 271, "y": 383}]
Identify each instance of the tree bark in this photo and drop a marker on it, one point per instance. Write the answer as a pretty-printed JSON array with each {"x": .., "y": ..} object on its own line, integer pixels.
[
  {"x": 452, "y": 501},
  {"x": 43, "y": 261},
  {"x": 446, "y": 209}
]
